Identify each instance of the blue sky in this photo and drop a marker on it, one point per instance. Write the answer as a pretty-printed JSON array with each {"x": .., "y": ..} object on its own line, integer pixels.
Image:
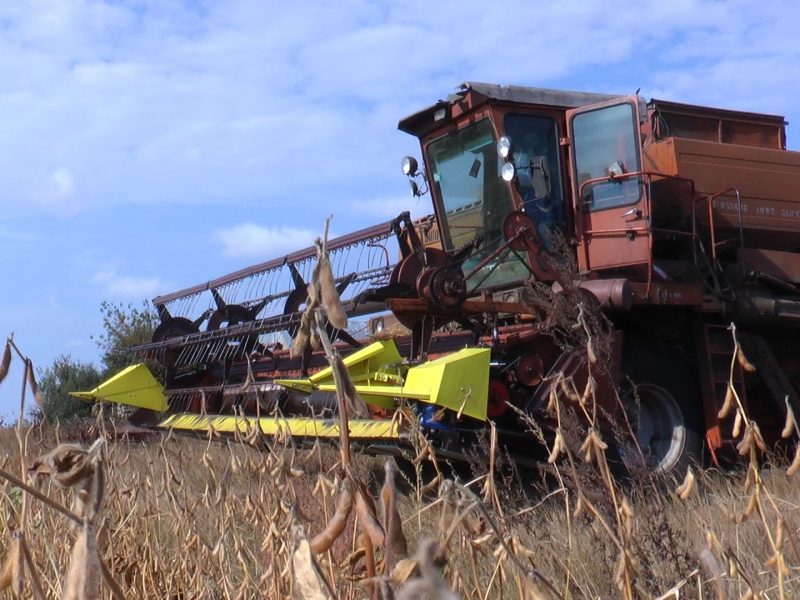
[{"x": 150, "y": 145}]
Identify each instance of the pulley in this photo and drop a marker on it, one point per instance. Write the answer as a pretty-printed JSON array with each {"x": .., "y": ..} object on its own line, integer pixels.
[{"x": 447, "y": 287}]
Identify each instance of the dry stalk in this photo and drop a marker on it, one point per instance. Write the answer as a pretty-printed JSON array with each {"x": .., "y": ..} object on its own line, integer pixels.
[
  {"x": 466, "y": 502},
  {"x": 396, "y": 546},
  {"x": 11, "y": 572},
  {"x": 593, "y": 452},
  {"x": 5, "y": 363},
  {"x": 759, "y": 499}
]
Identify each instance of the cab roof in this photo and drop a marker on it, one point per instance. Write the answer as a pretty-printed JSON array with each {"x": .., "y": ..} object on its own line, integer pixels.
[
  {"x": 477, "y": 93},
  {"x": 422, "y": 121}
]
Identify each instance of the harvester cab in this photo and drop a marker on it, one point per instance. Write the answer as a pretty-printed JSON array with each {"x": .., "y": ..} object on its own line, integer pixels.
[
  {"x": 565, "y": 167},
  {"x": 651, "y": 193},
  {"x": 493, "y": 155}
]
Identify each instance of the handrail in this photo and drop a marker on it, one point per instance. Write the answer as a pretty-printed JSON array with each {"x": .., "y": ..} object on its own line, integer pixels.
[
  {"x": 630, "y": 175},
  {"x": 710, "y": 199},
  {"x": 712, "y": 226},
  {"x": 648, "y": 199}
]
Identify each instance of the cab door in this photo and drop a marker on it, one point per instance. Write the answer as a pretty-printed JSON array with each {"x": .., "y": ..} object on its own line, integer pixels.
[{"x": 611, "y": 209}]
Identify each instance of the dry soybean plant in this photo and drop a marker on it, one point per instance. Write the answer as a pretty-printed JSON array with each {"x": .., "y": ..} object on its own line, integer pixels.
[
  {"x": 69, "y": 466},
  {"x": 733, "y": 560},
  {"x": 264, "y": 517}
]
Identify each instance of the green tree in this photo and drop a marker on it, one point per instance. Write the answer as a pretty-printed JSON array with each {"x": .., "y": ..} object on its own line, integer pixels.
[
  {"x": 66, "y": 375},
  {"x": 124, "y": 326}
]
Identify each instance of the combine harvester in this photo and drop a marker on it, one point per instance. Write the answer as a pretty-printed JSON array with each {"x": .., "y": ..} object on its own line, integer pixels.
[{"x": 673, "y": 221}]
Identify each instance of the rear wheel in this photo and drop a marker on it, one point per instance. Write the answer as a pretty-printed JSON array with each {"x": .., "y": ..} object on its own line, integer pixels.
[
  {"x": 668, "y": 442},
  {"x": 662, "y": 401}
]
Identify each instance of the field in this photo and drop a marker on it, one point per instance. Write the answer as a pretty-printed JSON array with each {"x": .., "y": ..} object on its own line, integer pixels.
[{"x": 191, "y": 518}]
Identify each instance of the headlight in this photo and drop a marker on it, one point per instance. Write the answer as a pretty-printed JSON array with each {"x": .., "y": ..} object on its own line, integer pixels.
[
  {"x": 409, "y": 165},
  {"x": 504, "y": 147},
  {"x": 508, "y": 171}
]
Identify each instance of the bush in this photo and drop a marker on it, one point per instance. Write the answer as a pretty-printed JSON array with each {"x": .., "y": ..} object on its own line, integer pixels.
[
  {"x": 66, "y": 375},
  {"x": 124, "y": 326}
]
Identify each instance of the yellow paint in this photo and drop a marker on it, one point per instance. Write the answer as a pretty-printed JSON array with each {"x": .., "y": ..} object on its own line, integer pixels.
[
  {"x": 458, "y": 381},
  {"x": 369, "y": 368},
  {"x": 275, "y": 426},
  {"x": 361, "y": 365},
  {"x": 133, "y": 386}
]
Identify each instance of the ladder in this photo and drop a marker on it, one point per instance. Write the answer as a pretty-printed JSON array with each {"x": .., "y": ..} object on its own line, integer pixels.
[{"x": 715, "y": 357}]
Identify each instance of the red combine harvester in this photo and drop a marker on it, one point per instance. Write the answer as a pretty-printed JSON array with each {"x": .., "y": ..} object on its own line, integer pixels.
[{"x": 679, "y": 224}]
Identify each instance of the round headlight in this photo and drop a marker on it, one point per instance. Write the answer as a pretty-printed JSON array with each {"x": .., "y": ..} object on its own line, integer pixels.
[
  {"x": 504, "y": 147},
  {"x": 409, "y": 165},
  {"x": 508, "y": 171}
]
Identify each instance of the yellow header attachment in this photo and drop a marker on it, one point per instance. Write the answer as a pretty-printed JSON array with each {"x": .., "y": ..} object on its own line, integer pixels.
[
  {"x": 458, "y": 381},
  {"x": 298, "y": 427},
  {"x": 133, "y": 386}
]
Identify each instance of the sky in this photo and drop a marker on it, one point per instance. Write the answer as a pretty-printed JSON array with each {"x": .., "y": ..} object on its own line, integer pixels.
[{"x": 146, "y": 146}]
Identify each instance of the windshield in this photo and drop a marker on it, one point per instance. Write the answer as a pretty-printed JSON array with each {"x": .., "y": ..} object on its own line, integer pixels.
[
  {"x": 474, "y": 201},
  {"x": 466, "y": 173}
]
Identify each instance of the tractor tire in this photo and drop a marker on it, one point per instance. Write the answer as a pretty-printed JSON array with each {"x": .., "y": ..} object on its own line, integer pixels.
[{"x": 661, "y": 397}]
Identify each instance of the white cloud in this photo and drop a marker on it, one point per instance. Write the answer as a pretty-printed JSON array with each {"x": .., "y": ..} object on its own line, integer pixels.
[
  {"x": 64, "y": 182},
  {"x": 126, "y": 287},
  {"x": 12, "y": 237},
  {"x": 226, "y": 103},
  {"x": 254, "y": 241}
]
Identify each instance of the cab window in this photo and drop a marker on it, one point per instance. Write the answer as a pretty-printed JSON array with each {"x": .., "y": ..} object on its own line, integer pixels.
[
  {"x": 605, "y": 145},
  {"x": 535, "y": 153}
]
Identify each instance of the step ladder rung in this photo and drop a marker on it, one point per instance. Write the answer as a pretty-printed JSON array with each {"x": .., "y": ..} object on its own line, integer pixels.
[{"x": 720, "y": 371}]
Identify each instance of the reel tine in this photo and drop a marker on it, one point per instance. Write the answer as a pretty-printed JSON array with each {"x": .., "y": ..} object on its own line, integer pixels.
[
  {"x": 196, "y": 352},
  {"x": 183, "y": 356}
]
